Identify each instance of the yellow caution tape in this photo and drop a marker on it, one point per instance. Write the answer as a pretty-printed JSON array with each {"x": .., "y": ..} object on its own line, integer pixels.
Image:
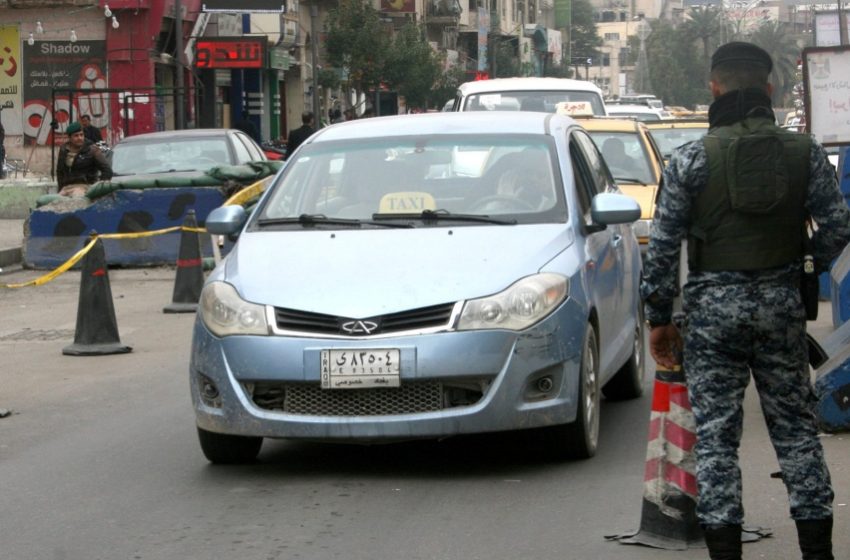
[
  {"x": 246, "y": 194},
  {"x": 64, "y": 267}
]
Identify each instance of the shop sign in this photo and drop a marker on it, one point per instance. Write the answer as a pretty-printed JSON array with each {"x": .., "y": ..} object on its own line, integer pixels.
[
  {"x": 260, "y": 6},
  {"x": 229, "y": 53},
  {"x": 279, "y": 59}
]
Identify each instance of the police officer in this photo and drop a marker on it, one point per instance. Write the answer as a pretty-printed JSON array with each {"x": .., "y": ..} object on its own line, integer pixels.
[{"x": 740, "y": 196}]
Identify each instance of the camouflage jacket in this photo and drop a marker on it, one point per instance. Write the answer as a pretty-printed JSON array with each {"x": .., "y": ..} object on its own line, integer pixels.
[{"x": 684, "y": 178}]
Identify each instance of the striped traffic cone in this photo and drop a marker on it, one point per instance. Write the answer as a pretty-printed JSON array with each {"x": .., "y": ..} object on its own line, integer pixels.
[
  {"x": 190, "y": 270},
  {"x": 668, "y": 512}
]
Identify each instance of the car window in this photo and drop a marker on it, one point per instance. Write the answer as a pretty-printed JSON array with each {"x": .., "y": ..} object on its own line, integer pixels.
[
  {"x": 626, "y": 156},
  {"x": 668, "y": 139},
  {"x": 513, "y": 175},
  {"x": 164, "y": 155},
  {"x": 254, "y": 151},
  {"x": 542, "y": 101},
  {"x": 599, "y": 175},
  {"x": 242, "y": 153}
]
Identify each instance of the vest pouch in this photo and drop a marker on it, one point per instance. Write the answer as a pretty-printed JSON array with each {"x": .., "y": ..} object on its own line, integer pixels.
[{"x": 756, "y": 173}]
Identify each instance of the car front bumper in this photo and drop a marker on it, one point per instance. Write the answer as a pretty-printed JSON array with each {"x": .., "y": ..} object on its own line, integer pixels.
[{"x": 511, "y": 370}]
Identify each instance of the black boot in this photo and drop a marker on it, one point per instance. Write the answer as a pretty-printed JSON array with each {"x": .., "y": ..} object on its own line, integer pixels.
[
  {"x": 724, "y": 542},
  {"x": 815, "y": 537}
]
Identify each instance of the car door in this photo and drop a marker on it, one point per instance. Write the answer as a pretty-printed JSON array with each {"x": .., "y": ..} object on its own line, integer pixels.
[{"x": 604, "y": 250}]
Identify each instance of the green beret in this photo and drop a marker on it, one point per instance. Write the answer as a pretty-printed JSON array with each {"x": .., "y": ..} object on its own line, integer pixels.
[
  {"x": 73, "y": 127},
  {"x": 740, "y": 52}
]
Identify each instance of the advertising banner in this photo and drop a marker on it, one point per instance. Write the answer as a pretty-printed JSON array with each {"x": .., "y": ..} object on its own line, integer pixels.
[
  {"x": 62, "y": 65},
  {"x": 398, "y": 6},
  {"x": 563, "y": 14},
  {"x": 483, "y": 34},
  {"x": 11, "y": 71},
  {"x": 243, "y": 52},
  {"x": 827, "y": 30}
]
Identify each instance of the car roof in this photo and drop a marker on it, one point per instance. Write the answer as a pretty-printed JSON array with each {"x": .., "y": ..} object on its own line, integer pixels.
[
  {"x": 175, "y": 135},
  {"x": 527, "y": 84},
  {"x": 441, "y": 123},
  {"x": 678, "y": 123},
  {"x": 631, "y": 108}
]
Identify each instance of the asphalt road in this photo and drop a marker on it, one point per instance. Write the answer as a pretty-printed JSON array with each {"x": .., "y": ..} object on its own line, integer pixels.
[{"x": 99, "y": 460}]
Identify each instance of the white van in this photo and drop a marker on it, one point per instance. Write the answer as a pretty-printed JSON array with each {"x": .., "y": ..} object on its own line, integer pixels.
[{"x": 547, "y": 95}]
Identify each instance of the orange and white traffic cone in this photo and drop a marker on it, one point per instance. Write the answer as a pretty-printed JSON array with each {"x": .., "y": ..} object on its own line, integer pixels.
[{"x": 668, "y": 512}]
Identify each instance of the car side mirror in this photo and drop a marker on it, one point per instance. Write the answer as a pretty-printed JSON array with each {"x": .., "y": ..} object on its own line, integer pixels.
[
  {"x": 612, "y": 208},
  {"x": 226, "y": 220}
]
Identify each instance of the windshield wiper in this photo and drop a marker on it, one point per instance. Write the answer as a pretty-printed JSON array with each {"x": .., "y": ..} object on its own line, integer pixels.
[
  {"x": 441, "y": 214},
  {"x": 321, "y": 219},
  {"x": 630, "y": 180}
]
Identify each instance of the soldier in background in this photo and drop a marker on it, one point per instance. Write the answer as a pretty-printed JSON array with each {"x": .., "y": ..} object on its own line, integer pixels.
[{"x": 741, "y": 196}]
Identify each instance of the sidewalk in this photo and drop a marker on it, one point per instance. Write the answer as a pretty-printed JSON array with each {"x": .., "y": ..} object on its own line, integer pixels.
[{"x": 11, "y": 241}]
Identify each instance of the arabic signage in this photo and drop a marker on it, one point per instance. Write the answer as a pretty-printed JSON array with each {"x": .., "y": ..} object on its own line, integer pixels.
[
  {"x": 243, "y": 6},
  {"x": 827, "y": 29},
  {"x": 10, "y": 79},
  {"x": 230, "y": 53},
  {"x": 563, "y": 14},
  {"x": 62, "y": 65}
]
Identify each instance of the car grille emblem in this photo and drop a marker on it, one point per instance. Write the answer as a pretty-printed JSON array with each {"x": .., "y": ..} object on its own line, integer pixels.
[{"x": 359, "y": 327}]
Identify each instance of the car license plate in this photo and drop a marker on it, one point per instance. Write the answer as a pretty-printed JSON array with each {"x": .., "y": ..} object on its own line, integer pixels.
[{"x": 360, "y": 368}]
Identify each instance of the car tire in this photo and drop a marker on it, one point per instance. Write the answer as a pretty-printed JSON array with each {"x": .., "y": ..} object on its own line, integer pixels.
[
  {"x": 627, "y": 383},
  {"x": 580, "y": 438},
  {"x": 226, "y": 449}
]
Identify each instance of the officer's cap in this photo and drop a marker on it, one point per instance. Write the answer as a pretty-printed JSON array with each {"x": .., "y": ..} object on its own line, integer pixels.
[
  {"x": 740, "y": 52},
  {"x": 73, "y": 127}
]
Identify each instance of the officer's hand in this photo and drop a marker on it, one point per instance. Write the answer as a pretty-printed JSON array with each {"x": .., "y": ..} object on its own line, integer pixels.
[{"x": 665, "y": 345}]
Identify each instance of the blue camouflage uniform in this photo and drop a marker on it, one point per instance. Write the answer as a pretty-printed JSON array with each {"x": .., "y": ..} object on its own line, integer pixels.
[{"x": 743, "y": 322}]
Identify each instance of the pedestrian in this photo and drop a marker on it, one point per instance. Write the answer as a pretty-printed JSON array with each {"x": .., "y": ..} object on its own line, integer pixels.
[
  {"x": 297, "y": 136},
  {"x": 741, "y": 196},
  {"x": 248, "y": 127},
  {"x": 80, "y": 163},
  {"x": 92, "y": 133}
]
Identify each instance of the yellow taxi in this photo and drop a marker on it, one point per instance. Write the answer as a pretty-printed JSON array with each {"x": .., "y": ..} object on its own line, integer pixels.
[
  {"x": 635, "y": 163},
  {"x": 669, "y": 135}
]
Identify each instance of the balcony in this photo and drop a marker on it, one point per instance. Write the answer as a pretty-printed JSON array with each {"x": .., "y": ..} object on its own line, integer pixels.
[{"x": 443, "y": 12}]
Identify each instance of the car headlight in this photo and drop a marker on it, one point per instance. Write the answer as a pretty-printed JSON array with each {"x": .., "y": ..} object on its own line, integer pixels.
[
  {"x": 518, "y": 307},
  {"x": 641, "y": 228},
  {"x": 225, "y": 313}
]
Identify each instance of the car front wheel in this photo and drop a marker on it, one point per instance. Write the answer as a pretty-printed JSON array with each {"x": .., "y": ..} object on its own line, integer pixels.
[
  {"x": 226, "y": 449},
  {"x": 580, "y": 438}
]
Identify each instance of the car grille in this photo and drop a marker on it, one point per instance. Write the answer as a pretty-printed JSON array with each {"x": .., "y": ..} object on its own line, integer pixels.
[
  {"x": 318, "y": 323},
  {"x": 410, "y": 398}
]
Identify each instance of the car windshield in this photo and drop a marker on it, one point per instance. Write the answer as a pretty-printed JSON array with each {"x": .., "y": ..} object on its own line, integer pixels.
[
  {"x": 542, "y": 101},
  {"x": 456, "y": 178},
  {"x": 162, "y": 156},
  {"x": 626, "y": 156},
  {"x": 668, "y": 139}
]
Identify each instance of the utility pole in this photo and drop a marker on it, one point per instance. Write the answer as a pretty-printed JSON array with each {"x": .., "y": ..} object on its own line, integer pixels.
[{"x": 180, "y": 104}]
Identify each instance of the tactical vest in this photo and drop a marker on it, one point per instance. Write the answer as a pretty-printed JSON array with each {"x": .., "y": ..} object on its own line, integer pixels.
[{"x": 751, "y": 214}]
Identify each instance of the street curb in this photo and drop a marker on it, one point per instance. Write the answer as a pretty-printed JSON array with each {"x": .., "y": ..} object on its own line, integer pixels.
[{"x": 9, "y": 257}]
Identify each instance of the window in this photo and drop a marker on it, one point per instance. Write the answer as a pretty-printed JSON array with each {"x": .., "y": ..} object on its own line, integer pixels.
[
  {"x": 599, "y": 174},
  {"x": 612, "y": 36},
  {"x": 242, "y": 153}
]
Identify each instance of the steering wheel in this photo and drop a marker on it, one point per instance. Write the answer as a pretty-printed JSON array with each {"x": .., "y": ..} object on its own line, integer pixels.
[{"x": 497, "y": 200}]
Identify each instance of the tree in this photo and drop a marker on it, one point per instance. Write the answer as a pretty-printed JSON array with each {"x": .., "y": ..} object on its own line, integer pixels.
[
  {"x": 584, "y": 39},
  {"x": 357, "y": 41},
  {"x": 411, "y": 66},
  {"x": 677, "y": 75},
  {"x": 773, "y": 37},
  {"x": 704, "y": 26}
]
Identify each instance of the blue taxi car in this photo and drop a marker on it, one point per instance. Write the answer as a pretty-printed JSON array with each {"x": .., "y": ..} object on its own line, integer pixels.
[{"x": 423, "y": 276}]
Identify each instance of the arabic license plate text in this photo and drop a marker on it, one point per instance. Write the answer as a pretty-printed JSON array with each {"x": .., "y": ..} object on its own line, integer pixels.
[{"x": 359, "y": 368}]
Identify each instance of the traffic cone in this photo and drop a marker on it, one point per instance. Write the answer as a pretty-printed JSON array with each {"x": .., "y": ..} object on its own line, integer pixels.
[
  {"x": 190, "y": 270},
  {"x": 668, "y": 512},
  {"x": 97, "y": 329}
]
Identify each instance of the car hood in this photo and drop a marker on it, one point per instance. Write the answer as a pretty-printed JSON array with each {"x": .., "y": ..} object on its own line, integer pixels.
[
  {"x": 363, "y": 273},
  {"x": 644, "y": 195}
]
